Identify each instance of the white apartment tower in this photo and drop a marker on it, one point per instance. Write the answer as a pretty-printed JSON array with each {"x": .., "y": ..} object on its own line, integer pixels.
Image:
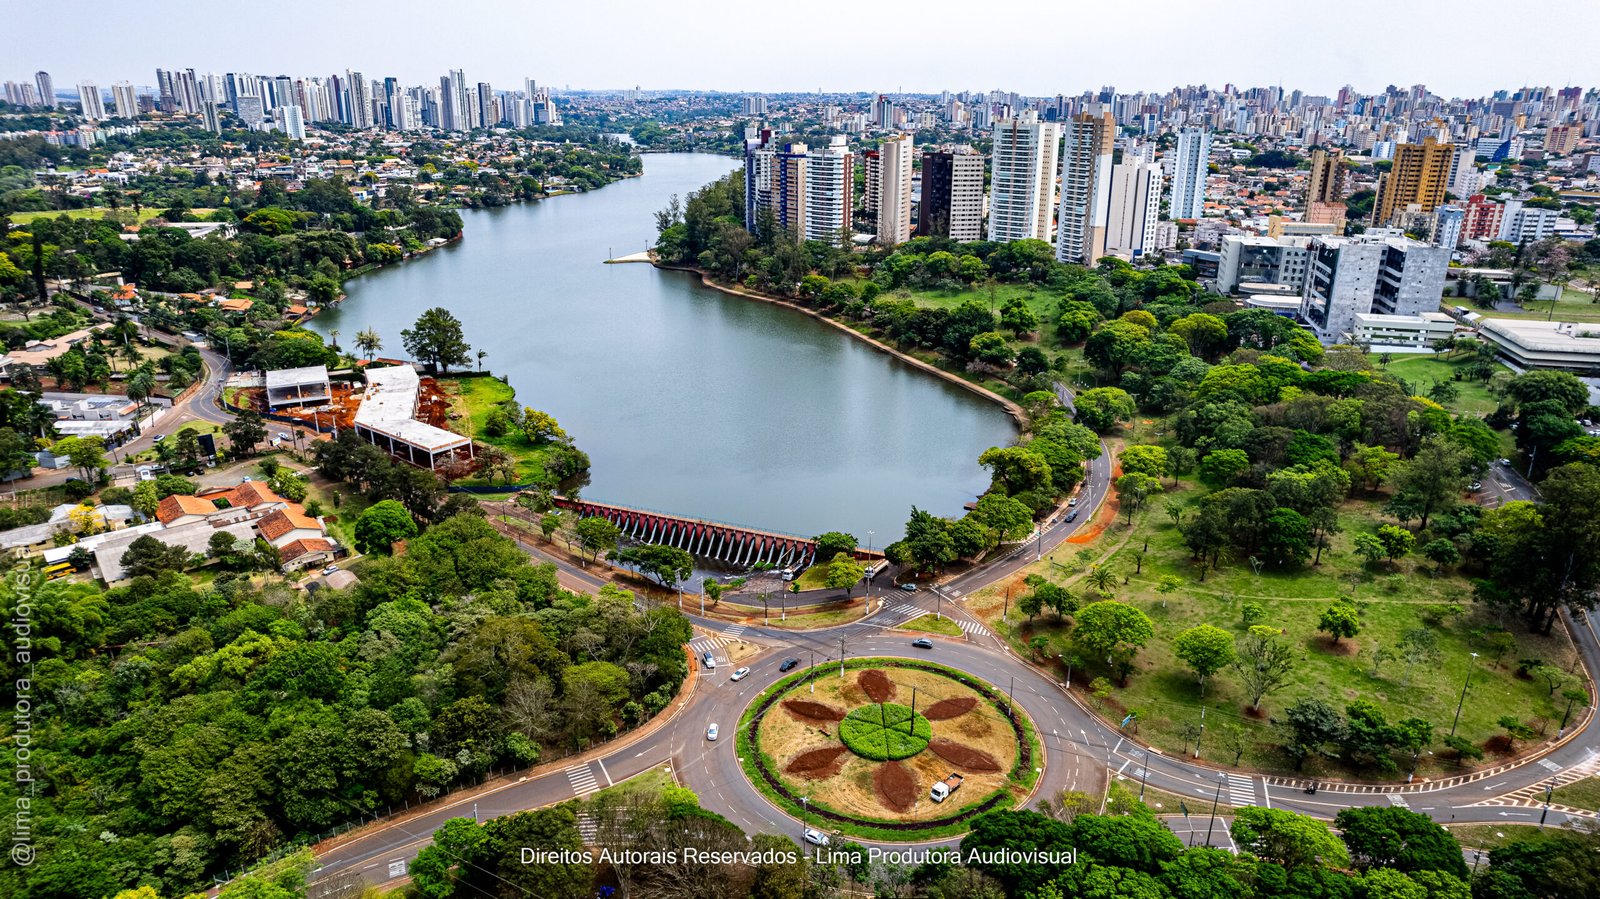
[
  {"x": 47, "y": 88},
  {"x": 894, "y": 190},
  {"x": 1022, "y": 189},
  {"x": 125, "y": 99},
  {"x": 290, "y": 121},
  {"x": 1135, "y": 209},
  {"x": 1085, "y": 188},
  {"x": 89, "y": 97},
  {"x": 830, "y": 192},
  {"x": 1189, "y": 174}
]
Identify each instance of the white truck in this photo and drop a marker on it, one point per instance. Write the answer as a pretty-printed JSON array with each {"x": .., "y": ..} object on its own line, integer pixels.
[{"x": 942, "y": 790}]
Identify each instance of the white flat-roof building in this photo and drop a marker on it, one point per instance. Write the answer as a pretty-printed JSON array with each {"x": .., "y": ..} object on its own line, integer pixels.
[
  {"x": 386, "y": 418},
  {"x": 298, "y": 386},
  {"x": 1404, "y": 332},
  {"x": 1530, "y": 343}
]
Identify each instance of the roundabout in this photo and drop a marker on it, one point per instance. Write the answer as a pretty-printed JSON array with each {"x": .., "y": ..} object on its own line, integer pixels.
[{"x": 857, "y": 751}]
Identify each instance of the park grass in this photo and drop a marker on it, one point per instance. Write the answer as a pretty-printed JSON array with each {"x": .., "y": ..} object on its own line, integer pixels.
[
  {"x": 1584, "y": 794},
  {"x": 472, "y": 399},
  {"x": 1392, "y": 599},
  {"x": 932, "y": 624},
  {"x": 1421, "y": 372},
  {"x": 92, "y": 212},
  {"x": 647, "y": 784},
  {"x": 1493, "y": 836},
  {"x": 813, "y": 578},
  {"x": 1574, "y": 306},
  {"x": 816, "y": 620}
]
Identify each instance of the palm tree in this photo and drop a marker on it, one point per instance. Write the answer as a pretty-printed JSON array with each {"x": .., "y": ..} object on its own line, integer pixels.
[
  {"x": 1101, "y": 579},
  {"x": 333, "y": 335},
  {"x": 368, "y": 341},
  {"x": 481, "y": 354}
]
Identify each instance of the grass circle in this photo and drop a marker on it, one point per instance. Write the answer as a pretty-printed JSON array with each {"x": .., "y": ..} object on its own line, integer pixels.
[{"x": 885, "y": 732}]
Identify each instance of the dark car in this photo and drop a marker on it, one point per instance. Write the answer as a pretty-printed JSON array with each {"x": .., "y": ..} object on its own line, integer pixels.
[
  {"x": 922, "y": 643},
  {"x": 1073, "y": 515},
  {"x": 788, "y": 664}
]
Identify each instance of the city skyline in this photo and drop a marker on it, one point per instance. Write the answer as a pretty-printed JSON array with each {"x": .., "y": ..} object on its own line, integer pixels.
[{"x": 650, "y": 50}]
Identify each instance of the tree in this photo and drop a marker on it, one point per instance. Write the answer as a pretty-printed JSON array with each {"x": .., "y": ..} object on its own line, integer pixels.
[
  {"x": 148, "y": 556},
  {"x": 436, "y": 340},
  {"x": 832, "y": 543},
  {"x": 1397, "y": 541},
  {"x": 1144, "y": 459},
  {"x": 1114, "y": 631},
  {"x": 1441, "y": 552},
  {"x": 1102, "y": 407},
  {"x": 1433, "y": 478},
  {"x": 597, "y": 535},
  {"x": 245, "y": 431},
  {"x": 1368, "y": 547},
  {"x": 1221, "y": 466},
  {"x": 1399, "y": 839},
  {"x": 383, "y": 525},
  {"x": 844, "y": 572},
  {"x": 87, "y": 454},
  {"x": 667, "y": 564},
  {"x": 1010, "y": 519},
  {"x": 927, "y": 543},
  {"x": 368, "y": 342},
  {"x": 1016, "y": 317},
  {"x": 1371, "y": 465},
  {"x": 1206, "y": 648},
  {"x": 1264, "y": 663},
  {"x": 1291, "y": 840},
  {"x": 1017, "y": 469},
  {"x": 1340, "y": 620}
]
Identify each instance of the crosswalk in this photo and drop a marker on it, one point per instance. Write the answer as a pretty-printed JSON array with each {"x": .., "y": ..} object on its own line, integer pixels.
[
  {"x": 906, "y": 611},
  {"x": 1396, "y": 800},
  {"x": 588, "y": 829},
  {"x": 583, "y": 779},
  {"x": 971, "y": 628},
  {"x": 707, "y": 644},
  {"x": 736, "y": 631},
  {"x": 1241, "y": 790}
]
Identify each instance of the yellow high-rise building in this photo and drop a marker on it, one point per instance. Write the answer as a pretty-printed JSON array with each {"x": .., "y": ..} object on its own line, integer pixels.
[{"x": 1420, "y": 177}]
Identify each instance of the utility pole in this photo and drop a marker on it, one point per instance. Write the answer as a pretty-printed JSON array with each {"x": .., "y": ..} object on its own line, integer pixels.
[
  {"x": 1214, "y": 800},
  {"x": 811, "y": 673},
  {"x": 1548, "y": 788},
  {"x": 1202, "y": 733},
  {"x": 1462, "y": 701},
  {"x": 841, "y": 657}
]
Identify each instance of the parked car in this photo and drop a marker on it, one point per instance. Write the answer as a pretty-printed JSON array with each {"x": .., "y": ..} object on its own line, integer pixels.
[
  {"x": 909, "y": 588},
  {"x": 159, "y": 437},
  {"x": 788, "y": 664},
  {"x": 816, "y": 837},
  {"x": 922, "y": 643},
  {"x": 942, "y": 790},
  {"x": 283, "y": 435},
  {"x": 1506, "y": 462},
  {"x": 330, "y": 570},
  {"x": 1475, "y": 486},
  {"x": 711, "y": 732},
  {"x": 740, "y": 674}
]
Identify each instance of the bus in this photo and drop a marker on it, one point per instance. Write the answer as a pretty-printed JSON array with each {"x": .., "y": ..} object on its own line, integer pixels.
[{"x": 58, "y": 570}]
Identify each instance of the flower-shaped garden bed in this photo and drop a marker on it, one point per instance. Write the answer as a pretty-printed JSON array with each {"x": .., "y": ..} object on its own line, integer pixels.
[{"x": 857, "y": 753}]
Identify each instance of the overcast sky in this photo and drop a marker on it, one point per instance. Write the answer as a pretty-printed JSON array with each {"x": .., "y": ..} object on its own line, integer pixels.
[{"x": 1037, "y": 47}]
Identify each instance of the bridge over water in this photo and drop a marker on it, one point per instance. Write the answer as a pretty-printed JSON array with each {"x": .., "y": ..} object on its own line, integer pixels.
[{"x": 730, "y": 544}]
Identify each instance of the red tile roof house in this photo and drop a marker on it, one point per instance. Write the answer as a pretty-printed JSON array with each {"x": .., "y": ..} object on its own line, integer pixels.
[{"x": 305, "y": 553}]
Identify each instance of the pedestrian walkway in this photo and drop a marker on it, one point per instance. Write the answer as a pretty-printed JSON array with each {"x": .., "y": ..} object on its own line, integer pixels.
[
  {"x": 971, "y": 628},
  {"x": 588, "y": 829},
  {"x": 583, "y": 779},
  {"x": 734, "y": 631},
  {"x": 1241, "y": 790},
  {"x": 905, "y": 611},
  {"x": 706, "y": 644}
]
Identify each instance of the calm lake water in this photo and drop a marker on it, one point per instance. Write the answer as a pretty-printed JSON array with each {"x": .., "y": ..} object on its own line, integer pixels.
[{"x": 687, "y": 400}]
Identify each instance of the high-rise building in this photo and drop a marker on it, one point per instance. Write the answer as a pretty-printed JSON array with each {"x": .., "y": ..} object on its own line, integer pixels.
[
  {"x": 125, "y": 99},
  {"x": 89, "y": 100},
  {"x": 360, "y": 116},
  {"x": 288, "y": 119},
  {"x": 894, "y": 190},
  {"x": 1561, "y": 140},
  {"x": 775, "y": 185},
  {"x": 830, "y": 181},
  {"x": 1465, "y": 179},
  {"x": 1447, "y": 222},
  {"x": 47, "y": 88},
  {"x": 1419, "y": 178},
  {"x": 883, "y": 112},
  {"x": 486, "y": 117},
  {"x": 1482, "y": 220},
  {"x": 1189, "y": 174},
  {"x": 1135, "y": 208},
  {"x": 1369, "y": 274},
  {"x": 1022, "y": 184},
  {"x": 213, "y": 120},
  {"x": 1325, "y": 184},
  {"x": 755, "y": 106},
  {"x": 952, "y": 195},
  {"x": 454, "y": 109},
  {"x": 1530, "y": 224},
  {"x": 1085, "y": 187}
]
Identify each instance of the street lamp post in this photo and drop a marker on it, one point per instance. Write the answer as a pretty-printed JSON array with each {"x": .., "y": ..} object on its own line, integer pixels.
[
  {"x": 1549, "y": 787},
  {"x": 1201, "y": 735},
  {"x": 1462, "y": 701},
  {"x": 1214, "y": 800}
]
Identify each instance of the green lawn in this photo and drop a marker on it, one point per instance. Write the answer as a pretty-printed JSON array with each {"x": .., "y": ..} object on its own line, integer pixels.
[
  {"x": 645, "y": 784},
  {"x": 1392, "y": 599},
  {"x": 473, "y": 398},
  {"x": 1493, "y": 836},
  {"x": 93, "y": 212},
  {"x": 934, "y": 625},
  {"x": 1574, "y": 306},
  {"x": 1583, "y": 794},
  {"x": 1422, "y": 372},
  {"x": 813, "y": 578}
]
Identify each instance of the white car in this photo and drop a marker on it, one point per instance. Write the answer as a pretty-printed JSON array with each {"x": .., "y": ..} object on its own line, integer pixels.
[
  {"x": 740, "y": 674},
  {"x": 330, "y": 570},
  {"x": 816, "y": 837},
  {"x": 1073, "y": 501},
  {"x": 711, "y": 732}
]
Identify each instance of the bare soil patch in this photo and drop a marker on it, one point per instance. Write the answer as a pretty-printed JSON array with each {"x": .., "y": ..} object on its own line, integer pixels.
[
  {"x": 963, "y": 756},
  {"x": 950, "y": 708},
  {"x": 895, "y": 786},
  {"x": 807, "y": 710},
  {"x": 817, "y": 764},
  {"x": 877, "y": 685}
]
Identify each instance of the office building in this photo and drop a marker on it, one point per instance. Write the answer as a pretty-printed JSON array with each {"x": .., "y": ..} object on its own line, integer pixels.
[
  {"x": 1022, "y": 178},
  {"x": 830, "y": 179},
  {"x": 1350, "y": 276},
  {"x": 894, "y": 190},
  {"x": 1135, "y": 209},
  {"x": 1531, "y": 343},
  {"x": 1249, "y": 263},
  {"x": 1420, "y": 177},
  {"x": 952, "y": 195},
  {"x": 1416, "y": 333},
  {"x": 46, "y": 87},
  {"x": 125, "y": 99},
  {"x": 1085, "y": 187},
  {"x": 89, "y": 100},
  {"x": 1189, "y": 172}
]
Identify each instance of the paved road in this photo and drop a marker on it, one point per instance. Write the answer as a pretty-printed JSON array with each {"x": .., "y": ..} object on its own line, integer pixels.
[
  {"x": 1078, "y": 747},
  {"x": 1503, "y": 484}
]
